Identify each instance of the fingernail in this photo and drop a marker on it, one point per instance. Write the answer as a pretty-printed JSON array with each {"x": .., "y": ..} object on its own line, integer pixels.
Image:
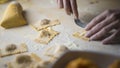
[
  {"x": 75, "y": 17},
  {"x": 105, "y": 42},
  {"x": 69, "y": 13},
  {"x": 87, "y": 34},
  {"x": 92, "y": 38},
  {"x": 86, "y": 28}
]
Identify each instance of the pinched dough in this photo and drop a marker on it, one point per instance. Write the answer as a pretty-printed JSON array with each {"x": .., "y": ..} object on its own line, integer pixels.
[
  {"x": 12, "y": 49},
  {"x": 81, "y": 35},
  {"x": 45, "y": 23},
  {"x": 46, "y": 35}
]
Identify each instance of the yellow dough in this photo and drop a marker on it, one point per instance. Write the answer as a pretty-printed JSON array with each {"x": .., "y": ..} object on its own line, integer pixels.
[
  {"x": 45, "y": 23},
  {"x": 13, "y": 16},
  {"x": 81, "y": 35},
  {"x": 81, "y": 63},
  {"x": 46, "y": 35},
  {"x": 24, "y": 61},
  {"x": 3, "y": 1},
  {"x": 12, "y": 49},
  {"x": 115, "y": 64}
]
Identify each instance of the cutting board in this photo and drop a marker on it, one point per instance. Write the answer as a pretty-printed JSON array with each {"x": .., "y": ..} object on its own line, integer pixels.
[{"x": 36, "y": 10}]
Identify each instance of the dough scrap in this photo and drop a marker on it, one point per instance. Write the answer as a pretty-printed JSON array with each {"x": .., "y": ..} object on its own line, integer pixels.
[
  {"x": 12, "y": 49},
  {"x": 54, "y": 52},
  {"x": 13, "y": 16},
  {"x": 81, "y": 35},
  {"x": 45, "y": 23},
  {"x": 46, "y": 35},
  {"x": 24, "y": 61}
]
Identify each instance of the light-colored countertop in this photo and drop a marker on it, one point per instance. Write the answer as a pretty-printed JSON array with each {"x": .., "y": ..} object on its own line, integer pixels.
[{"x": 40, "y": 9}]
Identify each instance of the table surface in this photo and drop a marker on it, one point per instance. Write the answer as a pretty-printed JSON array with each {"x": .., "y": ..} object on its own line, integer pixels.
[{"x": 37, "y": 10}]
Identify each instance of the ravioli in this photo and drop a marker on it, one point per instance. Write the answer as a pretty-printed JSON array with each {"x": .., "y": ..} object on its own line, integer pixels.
[
  {"x": 46, "y": 35},
  {"x": 12, "y": 49},
  {"x": 45, "y": 23},
  {"x": 81, "y": 35}
]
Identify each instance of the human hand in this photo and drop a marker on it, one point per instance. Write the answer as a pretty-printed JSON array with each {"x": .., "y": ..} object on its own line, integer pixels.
[
  {"x": 103, "y": 24},
  {"x": 70, "y": 7}
]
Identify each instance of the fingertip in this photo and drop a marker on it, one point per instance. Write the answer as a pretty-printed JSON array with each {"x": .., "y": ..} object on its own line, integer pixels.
[
  {"x": 76, "y": 16},
  {"x": 106, "y": 42},
  {"x": 60, "y": 6},
  {"x": 88, "y": 34},
  {"x": 68, "y": 11},
  {"x": 92, "y": 38},
  {"x": 86, "y": 28}
]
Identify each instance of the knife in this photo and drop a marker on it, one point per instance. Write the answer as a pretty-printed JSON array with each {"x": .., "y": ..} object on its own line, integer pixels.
[{"x": 79, "y": 23}]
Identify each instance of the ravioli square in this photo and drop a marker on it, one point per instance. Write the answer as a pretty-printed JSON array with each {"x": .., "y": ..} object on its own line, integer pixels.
[
  {"x": 46, "y": 35},
  {"x": 81, "y": 35},
  {"x": 45, "y": 23},
  {"x": 12, "y": 49}
]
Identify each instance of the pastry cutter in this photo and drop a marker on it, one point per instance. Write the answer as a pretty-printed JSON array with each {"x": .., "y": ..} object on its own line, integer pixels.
[{"x": 79, "y": 23}]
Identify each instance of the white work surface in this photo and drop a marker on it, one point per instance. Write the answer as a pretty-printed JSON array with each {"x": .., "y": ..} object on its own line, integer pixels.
[{"x": 37, "y": 10}]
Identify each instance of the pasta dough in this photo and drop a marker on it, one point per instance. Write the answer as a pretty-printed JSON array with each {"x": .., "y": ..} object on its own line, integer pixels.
[
  {"x": 46, "y": 35},
  {"x": 13, "y": 16},
  {"x": 45, "y": 23},
  {"x": 54, "y": 52},
  {"x": 81, "y": 35},
  {"x": 81, "y": 63},
  {"x": 12, "y": 49},
  {"x": 3, "y": 1}
]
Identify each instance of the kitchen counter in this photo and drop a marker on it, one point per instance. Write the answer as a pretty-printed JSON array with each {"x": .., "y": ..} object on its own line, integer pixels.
[{"x": 36, "y": 10}]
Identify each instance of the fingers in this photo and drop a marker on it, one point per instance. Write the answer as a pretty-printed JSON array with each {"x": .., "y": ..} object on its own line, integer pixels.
[
  {"x": 67, "y": 6},
  {"x": 74, "y": 8},
  {"x": 101, "y": 25},
  {"x": 97, "y": 20},
  {"x": 113, "y": 39},
  {"x": 105, "y": 31},
  {"x": 70, "y": 7},
  {"x": 60, "y": 3}
]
